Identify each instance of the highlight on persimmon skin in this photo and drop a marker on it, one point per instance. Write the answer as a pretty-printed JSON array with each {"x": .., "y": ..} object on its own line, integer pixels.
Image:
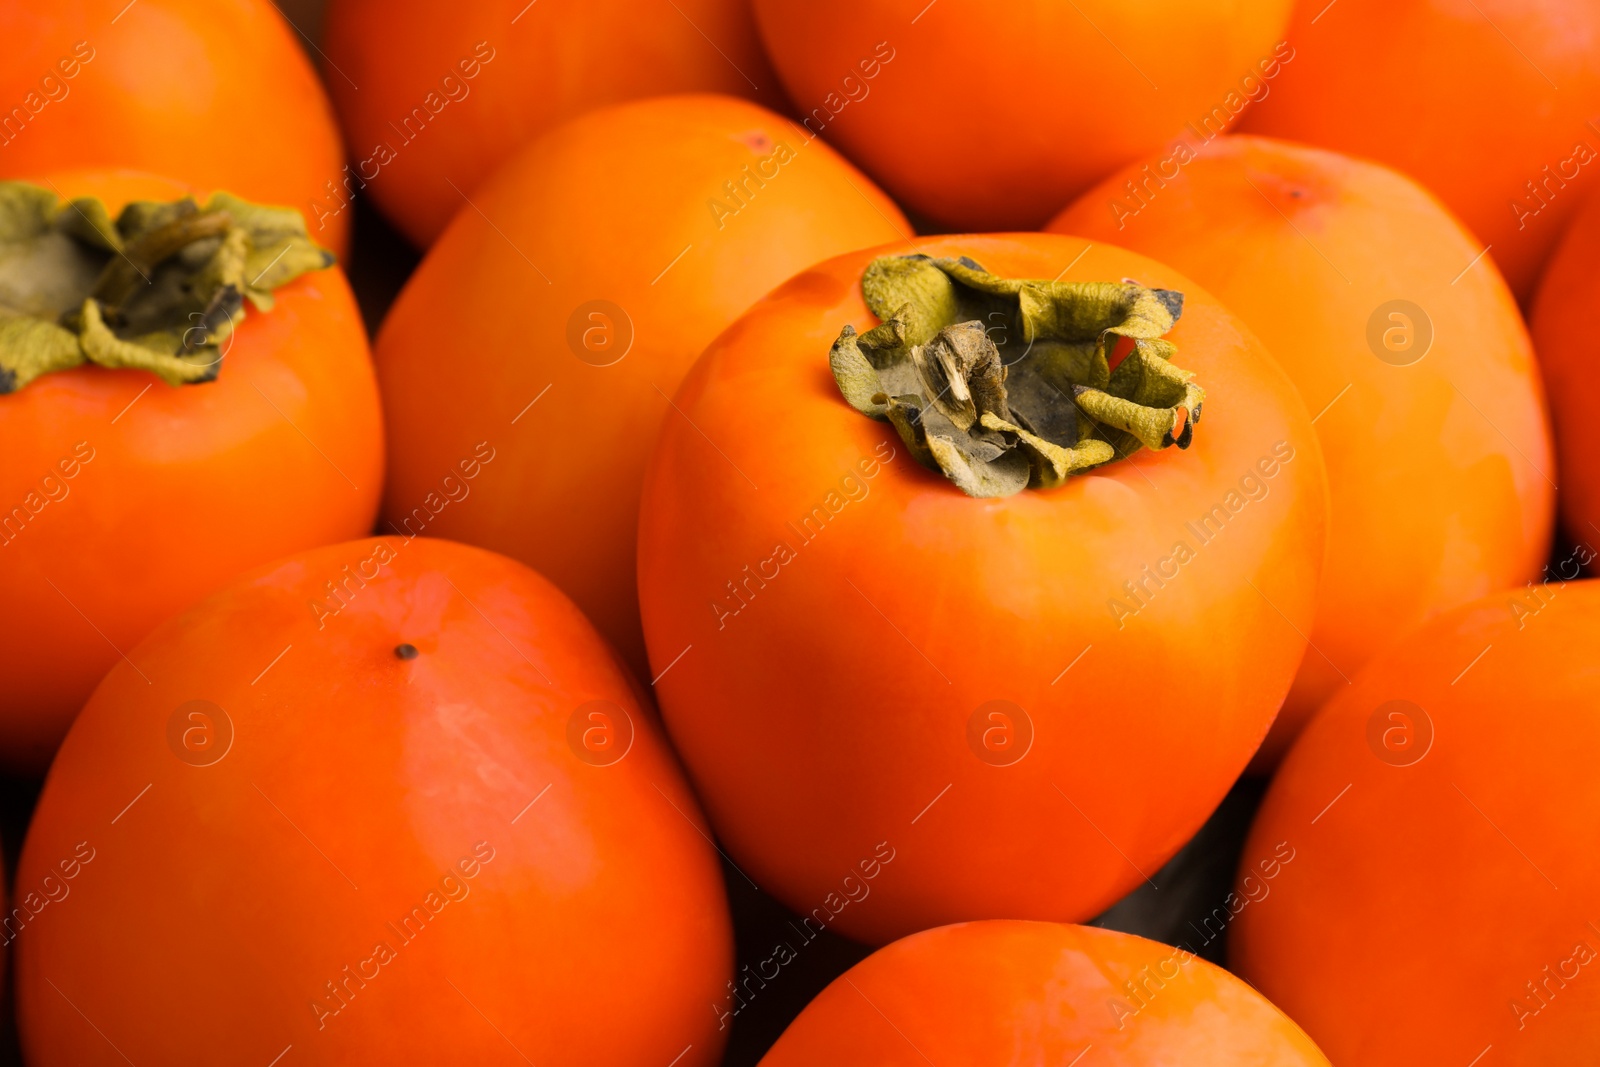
[
  {"x": 1417, "y": 367},
  {"x": 218, "y": 94},
  {"x": 1569, "y": 359},
  {"x": 991, "y": 116},
  {"x": 385, "y": 801},
  {"x": 432, "y": 106},
  {"x": 126, "y": 498},
  {"x": 853, "y": 656},
  {"x": 992, "y": 994},
  {"x": 1443, "y": 811},
  {"x": 554, "y": 325},
  {"x": 1487, "y": 104}
]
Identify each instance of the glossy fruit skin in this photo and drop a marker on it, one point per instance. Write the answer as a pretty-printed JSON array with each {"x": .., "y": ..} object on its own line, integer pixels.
[
  {"x": 352, "y": 766},
  {"x": 1472, "y": 98},
  {"x": 988, "y": 116},
  {"x": 616, "y": 210},
  {"x": 1441, "y": 469},
  {"x": 823, "y": 706},
  {"x": 497, "y": 73},
  {"x": 992, "y": 994},
  {"x": 216, "y": 93},
  {"x": 1445, "y": 858},
  {"x": 1569, "y": 358},
  {"x": 138, "y": 498}
]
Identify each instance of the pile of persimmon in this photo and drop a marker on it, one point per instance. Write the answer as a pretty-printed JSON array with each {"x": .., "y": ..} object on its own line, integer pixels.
[{"x": 714, "y": 624}]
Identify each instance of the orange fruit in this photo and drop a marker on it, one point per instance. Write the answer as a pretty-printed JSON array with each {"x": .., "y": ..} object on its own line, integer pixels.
[
  {"x": 1443, "y": 899},
  {"x": 1411, "y": 356},
  {"x": 550, "y": 325}
]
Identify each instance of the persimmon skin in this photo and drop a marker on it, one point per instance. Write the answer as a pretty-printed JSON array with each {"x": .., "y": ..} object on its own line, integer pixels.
[
  {"x": 833, "y": 708},
  {"x": 1569, "y": 357},
  {"x": 1427, "y": 893},
  {"x": 1472, "y": 98},
  {"x": 184, "y": 488},
  {"x": 616, "y": 206},
  {"x": 1022, "y": 105},
  {"x": 216, "y": 93},
  {"x": 1441, "y": 470},
  {"x": 553, "y": 63},
  {"x": 991, "y": 994},
  {"x": 351, "y": 761}
]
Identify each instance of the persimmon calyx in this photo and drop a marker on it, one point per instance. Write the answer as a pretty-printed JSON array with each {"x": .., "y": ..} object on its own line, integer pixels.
[
  {"x": 1005, "y": 383},
  {"x": 160, "y": 288}
]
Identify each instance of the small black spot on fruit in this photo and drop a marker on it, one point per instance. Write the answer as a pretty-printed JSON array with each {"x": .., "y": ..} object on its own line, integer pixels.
[{"x": 406, "y": 651}]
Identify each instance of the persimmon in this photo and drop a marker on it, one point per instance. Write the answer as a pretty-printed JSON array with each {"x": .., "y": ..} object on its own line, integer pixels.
[
  {"x": 1569, "y": 359},
  {"x": 567, "y": 306},
  {"x": 431, "y": 107},
  {"x": 1442, "y": 813},
  {"x": 1030, "y": 103},
  {"x": 126, "y": 497},
  {"x": 216, "y": 93},
  {"x": 1031, "y": 697},
  {"x": 995, "y": 993},
  {"x": 1486, "y": 102},
  {"x": 390, "y": 800},
  {"x": 1418, "y": 367}
]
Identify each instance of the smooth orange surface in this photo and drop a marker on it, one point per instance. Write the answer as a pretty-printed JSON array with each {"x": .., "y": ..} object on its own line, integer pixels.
[
  {"x": 217, "y": 93},
  {"x": 173, "y": 490},
  {"x": 994, "y": 994},
  {"x": 1439, "y": 908},
  {"x": 826, "y": 616},
  {"x": 1473, "y": 98},
  {"x": 1441, "y": 470},
  {"x": 1569, "y": 359},
  {"x": 571, "y": 912},
  {"x": 432, "y": 104},
  {"x": 484, "y": 343},
  {"x": 991, "y": 116}
]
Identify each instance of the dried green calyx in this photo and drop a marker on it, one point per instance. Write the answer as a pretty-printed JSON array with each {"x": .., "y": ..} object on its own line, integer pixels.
[
  {"x": 1003, "y": 383},
  {"x": 159, "y": 289}
]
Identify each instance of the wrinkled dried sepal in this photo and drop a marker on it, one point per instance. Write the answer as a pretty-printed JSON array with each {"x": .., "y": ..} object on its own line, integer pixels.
[
  {"x": 160, "y": 288},
  {"x": 1085, "y": 378}
]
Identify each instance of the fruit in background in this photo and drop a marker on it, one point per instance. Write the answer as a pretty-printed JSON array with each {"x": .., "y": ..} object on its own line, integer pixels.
[
  {"x": 1442, "y": 814},
  {"x": 1031, "y": 700},
  {"x": 427, "y": 808},
  {"x": 988, "y": 116},
  {"x": 1487, "y": 103},
  {"x": 216, "y": 93},
  {"x": 1427, "y": 399},
  {"x": 990, "y": 994},
  {"x": 1569, "y": 359},
  {"x": 553, "y": 323},
  {"x": 127, "y": 498},
  {"x": 431, "y": 107}
]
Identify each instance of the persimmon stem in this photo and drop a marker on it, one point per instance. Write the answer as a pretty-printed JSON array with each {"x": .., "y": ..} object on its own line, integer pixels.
[
  {"x": 1002, "y": 384},
  {"x": 160, "y": 289}
]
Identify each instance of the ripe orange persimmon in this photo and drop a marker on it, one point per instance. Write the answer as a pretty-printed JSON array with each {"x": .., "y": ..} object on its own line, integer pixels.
[
  {"x": 217, "y": 93},
  {"x": 1442, "y": 813},
  {"x": 431, "y": 106},
  {"x": 384, "y": 801},
  {"x": 124, "y": 498},
  {"x": 1031, "y": 700},
  {"x": 990, "y": 116},
  {"x": 1420, "y": 373},
  {"x": 555, "y": 321},
  {"x": 1488, "y": 103},
  {"x": 1569, "y": 359},
  {"x": 992, "y": 994}
]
